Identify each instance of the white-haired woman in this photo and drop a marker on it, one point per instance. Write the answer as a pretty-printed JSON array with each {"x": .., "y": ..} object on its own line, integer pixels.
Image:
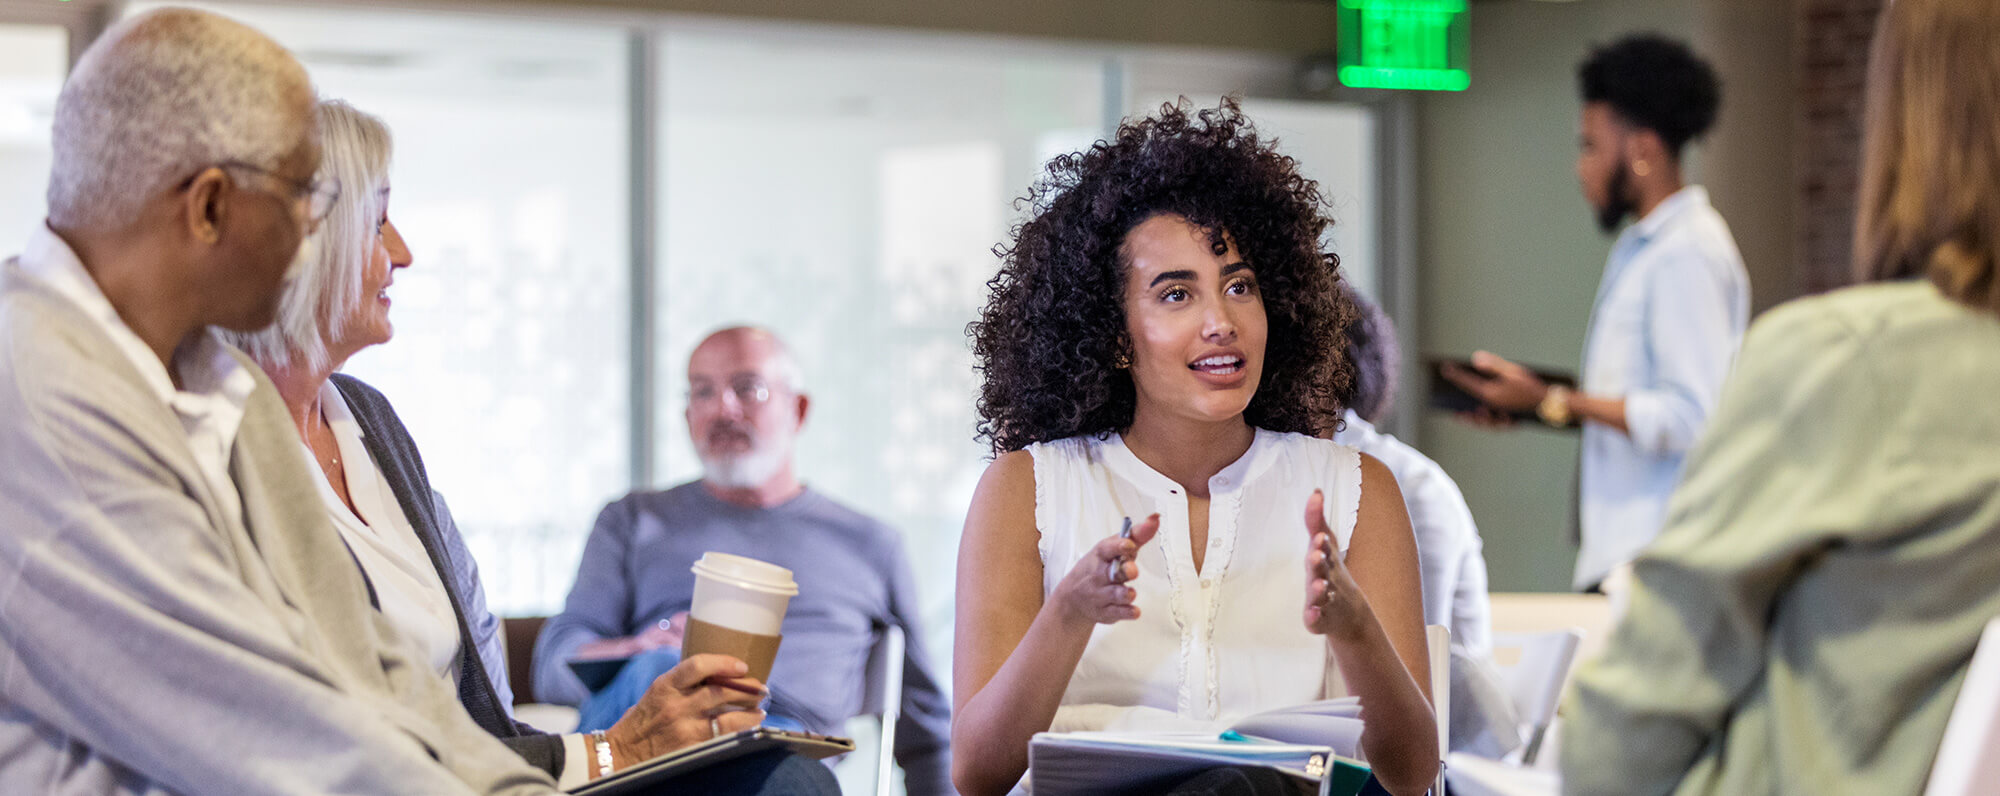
[{"x": 399, "y": 530}]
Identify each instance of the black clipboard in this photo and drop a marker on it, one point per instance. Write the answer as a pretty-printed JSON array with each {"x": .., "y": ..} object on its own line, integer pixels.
[
  {"x": 645, "y": 777},
  {"x": 596, "y": 673},
  {"x": 1447, "y": 396}
]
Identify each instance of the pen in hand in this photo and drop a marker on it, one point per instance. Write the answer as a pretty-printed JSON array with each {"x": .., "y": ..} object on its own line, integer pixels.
[{"x": 1117, "y": 574}]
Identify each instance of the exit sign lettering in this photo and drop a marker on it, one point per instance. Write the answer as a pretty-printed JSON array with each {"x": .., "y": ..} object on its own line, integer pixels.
[{"x": 1404, "y": 44}]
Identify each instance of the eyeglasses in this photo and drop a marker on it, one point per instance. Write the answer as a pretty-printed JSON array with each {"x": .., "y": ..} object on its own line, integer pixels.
[
  {"x": 316, "y": 196},
  {"x": 749, "y": 392}
]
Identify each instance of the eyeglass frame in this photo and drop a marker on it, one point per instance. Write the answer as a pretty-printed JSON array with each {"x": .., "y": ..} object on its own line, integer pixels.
[
  {"x": 749, "y": 391},
  {"x": 319, "y": 194}
]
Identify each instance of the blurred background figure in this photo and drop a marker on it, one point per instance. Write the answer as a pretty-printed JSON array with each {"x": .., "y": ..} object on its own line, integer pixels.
[
  {"x": 1804, "y": 622},
  {"x": 1670, "y": 309},
  {"x": 1448, "y": 544}
]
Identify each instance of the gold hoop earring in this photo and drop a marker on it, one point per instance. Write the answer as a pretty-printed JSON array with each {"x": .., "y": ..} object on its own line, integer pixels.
[
  {"x": 1642, "y": 168},
  {"x": 1121, "y": 362}
]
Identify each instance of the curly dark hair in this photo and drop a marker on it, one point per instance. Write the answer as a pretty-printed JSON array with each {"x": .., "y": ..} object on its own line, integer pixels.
[
  {"x": 1055, "y": 323},
  {"x": 1656, "y": 83}
]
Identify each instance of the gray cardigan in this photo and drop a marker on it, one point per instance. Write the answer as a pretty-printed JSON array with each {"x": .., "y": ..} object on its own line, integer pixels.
[{"x": 151, "y": 644}]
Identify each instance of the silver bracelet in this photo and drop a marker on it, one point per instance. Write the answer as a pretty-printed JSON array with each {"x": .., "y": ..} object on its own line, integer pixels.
[{"x": 603, "y": 753}]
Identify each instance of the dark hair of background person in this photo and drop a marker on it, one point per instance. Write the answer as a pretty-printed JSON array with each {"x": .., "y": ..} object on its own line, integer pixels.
[
  {"x": 1371, "y": 346},
  {"x": 1930, "y": 155},
  {"x": 1048, "y": 342},
  {"x": 1656, "y": 83}
]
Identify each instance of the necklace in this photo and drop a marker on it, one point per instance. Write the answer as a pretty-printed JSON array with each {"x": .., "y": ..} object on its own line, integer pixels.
[{"x": 333, "y": 457}]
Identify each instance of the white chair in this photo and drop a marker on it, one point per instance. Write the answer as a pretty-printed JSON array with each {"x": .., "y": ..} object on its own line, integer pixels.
[
  {"x": 881, "y": 697},
  {"x": 1535, "y": 680},
  {"x": 1438, "y": 640},
  {"x": 1968, "y": 761},
  {"x": 1478, "y": 776},
  {"x": 1534, "y": 612}
]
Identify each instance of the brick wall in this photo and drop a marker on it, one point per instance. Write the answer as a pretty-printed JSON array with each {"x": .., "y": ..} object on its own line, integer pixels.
[{"x": 1832, "y": 48}]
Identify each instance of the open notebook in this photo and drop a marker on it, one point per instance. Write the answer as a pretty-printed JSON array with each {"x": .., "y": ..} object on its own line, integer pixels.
[{"x": 1315, "y": 743}]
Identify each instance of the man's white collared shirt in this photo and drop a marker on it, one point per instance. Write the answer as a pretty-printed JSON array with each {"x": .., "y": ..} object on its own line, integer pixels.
[
  {"x": 1669, "y": 317},
  {"x": 215, "y": 386}
]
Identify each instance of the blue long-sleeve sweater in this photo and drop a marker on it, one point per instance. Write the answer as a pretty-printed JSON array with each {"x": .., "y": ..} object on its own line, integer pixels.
[{"x": 852, "y": 575}]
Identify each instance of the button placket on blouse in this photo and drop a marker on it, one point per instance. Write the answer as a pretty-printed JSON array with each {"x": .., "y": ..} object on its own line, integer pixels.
[
  {"x": 1224, "y": 509},
  {"x": 1173, "y": 539}
]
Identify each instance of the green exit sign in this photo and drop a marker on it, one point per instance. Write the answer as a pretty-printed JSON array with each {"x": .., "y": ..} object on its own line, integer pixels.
[{"x": 1409, "y": 44}]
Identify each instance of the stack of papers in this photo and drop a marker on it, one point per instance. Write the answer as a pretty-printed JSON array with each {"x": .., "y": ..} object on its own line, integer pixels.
[{"x": 1313, "y": 743}]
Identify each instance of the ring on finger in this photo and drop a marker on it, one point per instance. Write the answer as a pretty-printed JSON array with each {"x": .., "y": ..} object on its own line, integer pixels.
[{"x": 714, "y": 728}]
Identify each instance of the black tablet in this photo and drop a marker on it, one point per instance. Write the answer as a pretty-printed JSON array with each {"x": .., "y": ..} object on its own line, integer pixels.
[
  {"x": 1447, "y": 396},
  {"x": 596, "y": 673},
  {"x": 644, "y": 777}
]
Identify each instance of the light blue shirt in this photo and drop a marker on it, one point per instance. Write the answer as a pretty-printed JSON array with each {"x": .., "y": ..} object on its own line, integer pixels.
[{"x": 1668, "y": 319}]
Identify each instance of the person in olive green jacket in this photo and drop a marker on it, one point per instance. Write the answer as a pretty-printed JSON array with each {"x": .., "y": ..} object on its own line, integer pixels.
[{"x": 1804, "y": 623}]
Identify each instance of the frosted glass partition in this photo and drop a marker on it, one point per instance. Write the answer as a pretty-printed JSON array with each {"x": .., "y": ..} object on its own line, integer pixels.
[
  {"x": 511, "y": 362},
  {"x": 848, "y": 193},
  {"x": 33, "y": 60}
]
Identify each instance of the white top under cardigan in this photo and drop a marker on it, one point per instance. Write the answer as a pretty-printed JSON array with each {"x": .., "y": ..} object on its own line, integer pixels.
[
  {"x": 407, "y": 585},
  {"x": 1212, "y": 646}
]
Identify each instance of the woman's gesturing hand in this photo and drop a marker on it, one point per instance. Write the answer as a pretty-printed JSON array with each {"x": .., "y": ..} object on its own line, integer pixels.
[
  {"x": 1335, "y": 606},
  {"x": 1094, "y": 591}
]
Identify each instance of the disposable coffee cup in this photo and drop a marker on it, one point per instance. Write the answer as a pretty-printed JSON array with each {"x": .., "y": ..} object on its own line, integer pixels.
[{"x": 739, "y": 609}]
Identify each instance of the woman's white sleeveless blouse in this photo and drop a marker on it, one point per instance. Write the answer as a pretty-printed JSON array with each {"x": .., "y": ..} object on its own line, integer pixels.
[{"x": 1212, "y": 646}]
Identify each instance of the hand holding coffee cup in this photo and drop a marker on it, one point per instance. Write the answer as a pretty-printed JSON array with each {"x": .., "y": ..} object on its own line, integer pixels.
[
  {"x": 739, "y": 610},
  {"x": 703, "y": 697}
]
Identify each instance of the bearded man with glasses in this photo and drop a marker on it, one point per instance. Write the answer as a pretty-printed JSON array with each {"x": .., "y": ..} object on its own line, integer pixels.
[{"x": 745, "y": 408}]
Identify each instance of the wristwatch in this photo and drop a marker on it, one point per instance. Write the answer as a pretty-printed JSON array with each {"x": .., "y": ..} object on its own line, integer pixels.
[{"x": 1554, "y": 408}]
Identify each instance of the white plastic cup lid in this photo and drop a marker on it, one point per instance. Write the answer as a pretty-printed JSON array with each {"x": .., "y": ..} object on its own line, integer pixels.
[{"x": 746, "y": 573}]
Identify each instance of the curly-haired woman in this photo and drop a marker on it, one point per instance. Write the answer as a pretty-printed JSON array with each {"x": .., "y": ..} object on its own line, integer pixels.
[{"x": 1161, "y": 346}]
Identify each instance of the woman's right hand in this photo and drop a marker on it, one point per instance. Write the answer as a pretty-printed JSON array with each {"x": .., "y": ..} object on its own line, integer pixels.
[{"x": 1095, "y": 590}]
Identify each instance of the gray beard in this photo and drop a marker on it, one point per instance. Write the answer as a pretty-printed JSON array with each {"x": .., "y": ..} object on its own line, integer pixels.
[{"x": 742, "y": 470}]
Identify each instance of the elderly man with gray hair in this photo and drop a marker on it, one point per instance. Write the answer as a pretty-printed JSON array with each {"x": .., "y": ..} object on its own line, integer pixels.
[{"x": 177, "y": 613}]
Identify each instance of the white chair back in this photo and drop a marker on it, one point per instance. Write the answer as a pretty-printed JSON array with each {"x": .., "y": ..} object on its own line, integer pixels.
[
  {"x": 883, "y": 696},
  {"x": 1535, "y": 680},
  {"x": 1968, "y": 761},
  {"x": 1438, "y": 641},
  {"x": 1524, "y": 612}
]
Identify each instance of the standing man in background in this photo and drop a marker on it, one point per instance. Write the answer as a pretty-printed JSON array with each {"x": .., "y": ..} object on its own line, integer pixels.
[{"x": 1670, "y": 310}]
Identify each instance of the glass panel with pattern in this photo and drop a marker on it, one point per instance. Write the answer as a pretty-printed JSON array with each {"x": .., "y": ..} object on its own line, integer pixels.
[{"x": 847, "y": 191}]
